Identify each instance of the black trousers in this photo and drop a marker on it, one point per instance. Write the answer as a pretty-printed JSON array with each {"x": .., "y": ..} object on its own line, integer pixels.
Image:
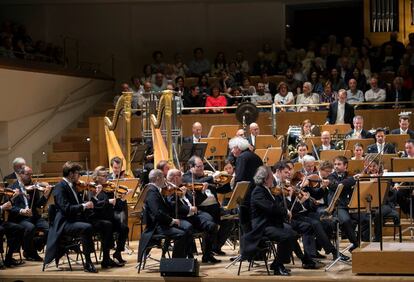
[
  {"x": 387, "y": 211},
  {"x": 305, "y": 229},
  {"x": 122, "y": 229},
  {"x": 225, "y": 228},
  {"x": 182, "y": 236},
  {"x": 321, "y": 237},
  {"x": 14, "y": 233},
  {"x": 285, "y": 237},
  {"x": 83, "y": 230},
  {"x": 203, "y": 221},
  {"x": 105, "y": 230},
  {"x": 31, "y": 225}
]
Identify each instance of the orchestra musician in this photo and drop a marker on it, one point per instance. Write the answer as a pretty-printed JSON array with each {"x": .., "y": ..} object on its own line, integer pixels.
[
  {"x": 358, "y": 152},
  {"x": 302, "y": 150},
  {"x": 358, "y": 132},
  {"x": 326, "y": 144},
  {"x": 182, "y": 202},
  {"x": 14, "y": 233},
  {"x": 121, "y": 208},
  {"x": 164, "y": 167},
  {"x": 254, "y": 132},
  {"x": 380, "y": 146},
  {"x": 267, "y": 215},
  {"x": 197, "y": 130},
  {"x": 18, "y": 163},
  {"x": 25, "y": 212},
  {"x": 404, "y": 122},
  {"x": 160, "y": 219},
  {"x": 70, "y": 218},
  {"x": 340, "y": 112},
  {"x": 340, "y": 175},
  {"x": 104, "y": 206},
  {"x": 403, "y": 195},
  {"x": 206, "y": 200}
]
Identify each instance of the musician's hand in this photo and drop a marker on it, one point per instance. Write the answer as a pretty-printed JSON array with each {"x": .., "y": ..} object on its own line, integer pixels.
[
  {"x": 325, "y": 183},
  {"x": 216, "y": 174},
  {"x": 289, "y": 214},
  {"x": 6, "y": 206},
  {"x": 88, "y": 205},
  {"x": 176, "y": 221},
  {"x": 193, "y": 209},
  {"x": 357, "y": 176},
  {"x": 305, "y": 183},
  {"x": 251, "y": 148},
  {"x": 47, "y": 191},
  {"x": 205, "y": 186},
  {"x": 112, "y": 201},
  {"x": 305, "y": 196},
  {"x": 16, "y": 192},
  {"x": 396, "y": 186},
  {"x": 129, "y": 191},
  {"x": 29, "y": 212}
]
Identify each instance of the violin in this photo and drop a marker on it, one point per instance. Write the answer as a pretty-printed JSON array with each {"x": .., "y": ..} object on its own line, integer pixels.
[
  {"x": 168, "y": 191},
  {"x": 223, "y": 178},
  {"x": 7, "y": 192},
  {"x": 277, "y": 191},
  {"x": 298, "y": 177},
  {"x": 82, "y": 186},
  {"x": 194, "y": 186},
  {"x": 40, "y": 186},
  {"x": 110, "y": 187}
]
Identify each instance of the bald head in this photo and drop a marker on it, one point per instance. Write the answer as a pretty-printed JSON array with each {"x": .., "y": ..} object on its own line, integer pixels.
[
  {"x": 197, "y": 129},
  {"x": 254, "y": 129},
  {"x": 240, "y": 132},
  {"x": 326, "y": 138}
]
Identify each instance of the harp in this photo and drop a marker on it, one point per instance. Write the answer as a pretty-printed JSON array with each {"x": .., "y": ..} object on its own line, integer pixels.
[
  {"x": 112, "y": 144},
  {"x": 163, "y": 150}
]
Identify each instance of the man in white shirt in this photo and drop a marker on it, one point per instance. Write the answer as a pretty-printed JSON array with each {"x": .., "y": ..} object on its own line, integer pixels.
[
  {"x": 340, "y": 111},
  {"x": 354, "y": 95},
  {"x": 254, "y": 132},
  {"x": 358, "y": 132},
  {"x": 380, "y": 146},
  {"x": 404, "y": 122},
  {"x": 326, "y": 145}
]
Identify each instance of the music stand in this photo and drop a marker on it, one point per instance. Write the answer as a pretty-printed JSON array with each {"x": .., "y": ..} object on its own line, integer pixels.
[
  {"x": 336, "y": 129},
  {"x": 398, "y": 140},
  {"x": 192, "y": 149},
  {"x": 268, "y": 141},
  {"x": 349, "y": 143},
  {"x": 355, "y": 166},
  {"x": 316, "y": 141},
  {"x": 329, "y": 210},
  {"x": 140, "y": 152},
  {"x": 216, "y": 147},
  {"x": 236, "y": 199},
  {"x": 329, "y": 155},
  {"x": 269, "y": 156},
  {"x": 223, "y": 131}
]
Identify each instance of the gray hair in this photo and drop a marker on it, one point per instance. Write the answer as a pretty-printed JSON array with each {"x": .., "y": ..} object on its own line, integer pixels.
[
  {"x": 171, "y": 173},
  {"x": 308, "y": 158},
  {"x": 239, "y": 142},
  {"x": 262, "y": 173},
  {"x": 18, "y": 162},
  {"x": 308, "y": 84},
  {"x": 356, "y": 118},
  {"x": 154, "y": 174}
]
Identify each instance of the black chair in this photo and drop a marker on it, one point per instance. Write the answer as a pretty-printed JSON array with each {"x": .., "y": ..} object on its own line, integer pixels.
[
  {"x": 265, "y": 250},
  {"x": 67, "y": 244},
  {"x": 158, "y": 241},
  {"x": 388, "y": 221}
]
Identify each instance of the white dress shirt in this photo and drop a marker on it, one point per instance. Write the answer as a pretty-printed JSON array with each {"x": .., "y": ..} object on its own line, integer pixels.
[{"x": 340, "y": 116}]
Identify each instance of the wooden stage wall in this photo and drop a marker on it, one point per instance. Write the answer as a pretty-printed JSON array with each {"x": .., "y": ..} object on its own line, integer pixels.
[{"x": 372, "y": 119}]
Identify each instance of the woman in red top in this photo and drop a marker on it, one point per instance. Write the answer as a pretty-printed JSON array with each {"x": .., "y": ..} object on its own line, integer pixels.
[{"x": 215, "y": 100}]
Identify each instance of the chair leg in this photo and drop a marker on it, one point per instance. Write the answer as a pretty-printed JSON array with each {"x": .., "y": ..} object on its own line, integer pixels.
[
  {"x": 67, "y": 256},
  {"x": 267, "y": 266},
  {"x": 240, "y": 265},
  {"x": 400, "y": 231},
  {"x": 250, "y": 265},
  {"x": 394, "y": 231},
  {"x": 293, "y": 259}
]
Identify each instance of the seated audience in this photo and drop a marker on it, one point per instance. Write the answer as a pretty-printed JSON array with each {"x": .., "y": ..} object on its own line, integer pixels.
[
  {"x": 354, "y": 95},
  {"x": 199, "y": 65},
  {"x": 284, "y": 97},
  {"x": 307, "y": 97},
  {"x": 216, "y": 101}
]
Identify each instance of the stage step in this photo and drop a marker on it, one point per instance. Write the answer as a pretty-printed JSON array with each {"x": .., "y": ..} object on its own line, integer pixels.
[
  {"x": 73, "y": 138},
  {"x": 66, "y": 156},
  {"x": 79, "y": 131},
  {"x": 395, "y": 258},
  {"x": 71, "y": 147}
]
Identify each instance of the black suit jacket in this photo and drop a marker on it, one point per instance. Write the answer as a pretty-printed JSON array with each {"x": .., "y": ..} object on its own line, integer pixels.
[
  {"x": 246, "y": 166},
  {"x": 199, "y": 195},
  {"x": 333, "y": 112},
  {"x": 398, "y": 131},
  {"x": 265, "y": 210},
  {"x": 388, "y": 149},
  {"x": 157, "y": 212},
  {"x": 10, "y": 178},
  {"x": 19, "y": 203},
  {"x": 334, "y": 180},
  {"x": 68, "y": 209},
  {"x": 364, "y": 134}
]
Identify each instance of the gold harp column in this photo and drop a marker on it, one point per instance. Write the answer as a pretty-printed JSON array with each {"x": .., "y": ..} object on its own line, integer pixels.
[{"x": 127, "y": 114}]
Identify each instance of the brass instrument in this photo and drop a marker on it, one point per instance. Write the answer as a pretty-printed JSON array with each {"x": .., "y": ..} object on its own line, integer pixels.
[{"x": 113, "y": 147}]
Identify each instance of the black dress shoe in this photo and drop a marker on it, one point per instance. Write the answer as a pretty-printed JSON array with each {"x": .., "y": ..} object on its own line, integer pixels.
[
  {"x": 274, "y": 265},
  {"x": 219, "y": 253},
  {"x": 279, "y": 269},
  {"x": 89, "y": 267},
  {"x": 2, "y": 266},
  {"x": 32, "y": 256},
  {"x": 12, "y": 262},
  {"x": 319, "y": 256},
  {"x": 210, "y": 259},
  {"x": 117, "y": 256},
  {"x": 110, "y": 263},
  {"x": 341, "y": 255}
]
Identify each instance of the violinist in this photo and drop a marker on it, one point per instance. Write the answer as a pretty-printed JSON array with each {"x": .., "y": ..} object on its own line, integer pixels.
[
  {"x": 25, "y": 212},
  {"x": 267, "y": 215},
  {"x": 160, "y": 219},
  {"x": 104, "y": 206},
  {"x": 14, "y": 233},
  {"x": 70, "y": 217},
  {"x": 206, "y": 200},
  {"x": 183, "y": 203},
  {"x": 18, "y": 163},
  {"x": 121, "y": 208},
  {"x": 164, "y": 167},
  {"x": 340, "y": 175}
]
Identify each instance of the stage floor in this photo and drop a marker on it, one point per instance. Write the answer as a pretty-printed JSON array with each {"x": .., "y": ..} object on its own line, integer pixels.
[{"x": 32, "y": 272}]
